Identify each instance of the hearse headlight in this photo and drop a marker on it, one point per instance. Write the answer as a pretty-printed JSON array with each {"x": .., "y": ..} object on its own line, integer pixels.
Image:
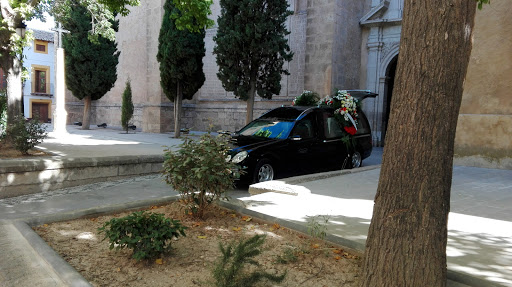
[{"x": 239, "y": 157}]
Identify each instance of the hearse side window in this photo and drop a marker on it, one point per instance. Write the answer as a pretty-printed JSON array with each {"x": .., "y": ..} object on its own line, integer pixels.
[
  {"x": 332, "y": 128},
  {"x": 362, "y": 125},
  {"x": 305, "y": 128}
]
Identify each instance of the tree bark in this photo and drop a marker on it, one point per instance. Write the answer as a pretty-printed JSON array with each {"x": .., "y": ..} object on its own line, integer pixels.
[
  {"x": 86, "y": 122},
  {"x": 250, "y": 99},
  {"x": 14, "y": 91},
  {"x": 177, "y": 111},
  {"x": 406, "y": 243}
]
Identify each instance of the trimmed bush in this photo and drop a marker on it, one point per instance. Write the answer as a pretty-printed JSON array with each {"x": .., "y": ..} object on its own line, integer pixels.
[
  {"x": 199, "y": 171},
  {"x": 26, "y": 134},
  {"x": 147, "y": 234}
]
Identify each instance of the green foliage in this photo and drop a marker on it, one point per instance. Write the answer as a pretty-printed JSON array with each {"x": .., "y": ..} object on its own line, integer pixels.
[
  {"x": 251, "y": 46},
  {"x": 199, "y": 171},
  {"x": 482, "y": 2},
  {"x": 192, "y": 15},
  {"x": 289, "y": 256},
  {"x": 118, "y": 6},
  {"x": 11, "y": 44},
  {"x": 307, "y": 98},
  {"x": 229, "y": 270},
  {"x": 101, "y": 14},
  {"x": 317, "y": 226},
  {"x": 127, "y": 107},
  {"x": 147, "y": 234},
  {"x": 180, "y": 54},
  {"x": 26, "y": 134},
  {"x": 90, "y": 67}
]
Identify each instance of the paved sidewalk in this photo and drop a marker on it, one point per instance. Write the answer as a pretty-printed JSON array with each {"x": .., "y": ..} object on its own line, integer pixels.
[{"x": 480, "y": 224}]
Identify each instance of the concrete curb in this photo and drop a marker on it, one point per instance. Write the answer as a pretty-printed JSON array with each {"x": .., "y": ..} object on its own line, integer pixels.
[
  {"x": 470, "y": 280},
  {"x": 352, "y": 246},
  {"x": 57, "y": 264},
  {"x": 64, "y": 271},
  {"x": 96, "y": 211},
  {"x": 328, "y": 174},
  {"x": 288, "y": 185},
  {"x": 58, "y": 162},
  {"x": 236, "y": 205},
  {"x": 45, "y": 174},
  {"x": 73, "y": 278}
]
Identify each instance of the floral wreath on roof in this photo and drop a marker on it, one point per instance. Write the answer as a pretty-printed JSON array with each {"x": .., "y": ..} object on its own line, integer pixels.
[
  {"x": 307, "y": 98},
  {"x": 346, "y": 110},
  {"x": 346, "y": 114}
]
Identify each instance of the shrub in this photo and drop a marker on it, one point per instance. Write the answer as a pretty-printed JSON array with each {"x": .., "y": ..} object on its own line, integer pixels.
[
  {"x": 316, "y": 228},
  {"x": 229, "y": 270},
  {"x": 127, "y": 107},
  {"x": 289, "y": 255},
  {"x": 147, "y": 234},
  {"x": 199, "y": 171},
  {"x": 26, "y": 134}
]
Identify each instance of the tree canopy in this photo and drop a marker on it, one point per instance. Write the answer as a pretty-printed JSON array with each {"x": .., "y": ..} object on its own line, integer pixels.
[
  {"x": 192, "y": 15},
  {"x": 126, "y": 106},
  {"x": 251, "y": 47},
  {"x": 180, "y": 54},
  {"x": 90, "y": 66}
]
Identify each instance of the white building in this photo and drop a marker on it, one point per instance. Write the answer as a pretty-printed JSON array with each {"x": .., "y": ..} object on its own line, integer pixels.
[{"x": 38, "y": 90}]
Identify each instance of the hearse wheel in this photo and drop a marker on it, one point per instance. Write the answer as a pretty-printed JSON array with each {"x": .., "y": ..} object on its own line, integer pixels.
[
  {"x": 356, "y": 160},
  {"x": 264, "y": 171}
]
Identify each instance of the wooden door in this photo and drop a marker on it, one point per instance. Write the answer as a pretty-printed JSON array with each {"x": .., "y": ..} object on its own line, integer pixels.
[{"x": 40, "y": 110}]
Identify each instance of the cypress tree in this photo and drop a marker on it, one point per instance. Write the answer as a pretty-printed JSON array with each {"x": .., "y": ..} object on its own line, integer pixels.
[
  {"x": 251, "y": 48},
  {"x": 180, "y": 54},
  {"x": 127, "y": 107},
  {"x": 90, "y": 65}
]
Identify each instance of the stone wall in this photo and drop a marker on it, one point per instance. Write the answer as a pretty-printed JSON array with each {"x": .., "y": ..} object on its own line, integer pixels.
[
  {"x": 329, "y": 52},
  {"x": 484, "y": 130},
  {"x": 347, "y": 44},
  {"x": 333, "y": 37},
  {"x": 212, "y": 105},
  {"x": 319, "y": 46}
]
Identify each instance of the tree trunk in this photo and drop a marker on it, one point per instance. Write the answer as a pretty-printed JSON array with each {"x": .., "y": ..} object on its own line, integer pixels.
[
  {"x": 406, "y": 243},
  {"x": 14, "y": 91},
  {"x": 177, "y": 111},
  {"x": 250, "y": 99},
  {"x": 86, "y": 122}
]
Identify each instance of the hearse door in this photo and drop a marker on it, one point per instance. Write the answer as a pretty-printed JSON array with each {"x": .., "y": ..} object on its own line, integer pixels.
[
  {"x": 334, "y": 149},
  {"x": 304, "y": 143}
]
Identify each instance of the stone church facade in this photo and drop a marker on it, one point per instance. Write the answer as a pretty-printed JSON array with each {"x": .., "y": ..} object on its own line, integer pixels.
[{"x": 346, "y": 44}]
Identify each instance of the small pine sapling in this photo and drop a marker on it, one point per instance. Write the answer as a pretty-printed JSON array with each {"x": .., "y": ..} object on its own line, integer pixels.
[{"x": 229, "y": 270}]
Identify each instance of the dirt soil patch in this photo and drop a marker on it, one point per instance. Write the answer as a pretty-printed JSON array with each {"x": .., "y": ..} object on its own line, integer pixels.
[
  {"x": 307, "y": 261},
  {"x": 7, "y": 150}
]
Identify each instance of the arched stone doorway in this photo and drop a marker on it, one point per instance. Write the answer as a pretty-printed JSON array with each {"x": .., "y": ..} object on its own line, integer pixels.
[{"x": 388, "y": 93}]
